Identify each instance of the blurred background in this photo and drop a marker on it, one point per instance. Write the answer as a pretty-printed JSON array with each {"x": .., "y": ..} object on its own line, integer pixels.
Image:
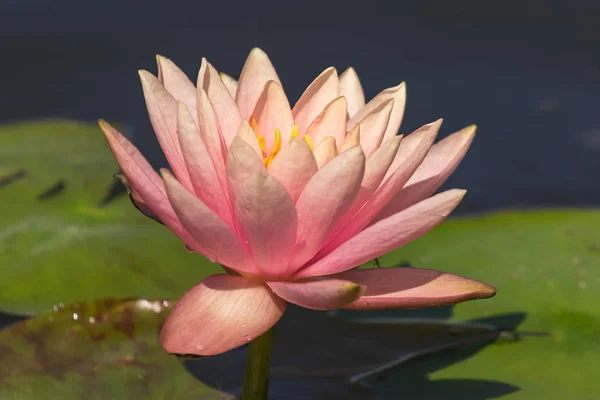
[{"x": 526, "y": 72}]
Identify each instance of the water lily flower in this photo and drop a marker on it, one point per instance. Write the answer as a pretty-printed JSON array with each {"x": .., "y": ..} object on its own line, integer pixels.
[{"x": 290, "y": 200}]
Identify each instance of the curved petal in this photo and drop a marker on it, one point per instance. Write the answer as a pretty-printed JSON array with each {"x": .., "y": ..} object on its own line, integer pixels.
[
  {"x": 318, "y": 294},
  {"x": 177, "y": 83},
  {"x": 293, "y": 167},
  {"x": 330, "y": 122},
  {"x": 222, "y": 101},
  {"x": 216, "y": 237},
  {"x": 211, "y": 134},
  {"x": 246, "y": 133},
  {"x": 205, "y": 181},
  {"x": 230, "y": 83},
  {"x": 325, "y": 151},
  {"x": 145, "y": 181},
  {"x": 398, "y": 93},
  {"x": 352, "y": 139},
  {"x": 219, "y": 314},
  {"x": 162, "y": 109},
  {"x": 441, "y": 160},
  {"x": 412, "y": 288},
  {"x": 323, "y": 90},
  {"x": 352, "y": 90},
  {"x": 242, "y": 162},
  {"x": 325, "y": 200},
  {"x": 267, "y": 222},
  {"x": 273, "y": 112},
  {"x": 386, "y": 235},
  {"x": 257, "y": 71},
  {"x": 373, "y": 127}
]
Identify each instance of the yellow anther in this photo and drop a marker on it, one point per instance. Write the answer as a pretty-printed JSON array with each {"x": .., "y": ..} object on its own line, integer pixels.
[
  {"x": 294, "y": 134},
  {"x": 275, "y": 149},
  {"x": 262, "y": 144},
  {"x": 308, "y": 141}
]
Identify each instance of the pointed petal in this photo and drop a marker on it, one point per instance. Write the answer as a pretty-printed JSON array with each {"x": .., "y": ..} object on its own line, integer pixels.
[
  {"x": 230, "y": 83},
  {"x": 398, "y": 93},
  {"x": 330, "y": 122},
  {"x": 211, "y": 134},
  {"x": 205, "y": 181},
  {"x": 273, "y": 112},
  {"x": 352, "y": 90},
  {"x": 352, "y": 138},
  {"x": 326, "y": 151},
  {"x": 441, "y": 160},
  {"x": 145, "y": 181},
  {"x": 386, "y": 235},
  {"x": 136, "y": 199},
  {"x": 318, "y": 294},
  {"x": 219, "y": 314},
  {"x": 325, "y": 200},
  {"x": 242, "y": 162},
  {"x": 373, "y": 127},
  {"x": 257, "y": 71},
  {"x": 267, "y": 222},
  {"x": 177, "y": 83},
  {"x": 293, "y": 167},
  {"x": 216, "y": 237},
  {"x": 412, "y": 288},
  {"x": 323, "y": 90},
  {"x": 162, "y": 109},
  {"x": 223, "y": 103},
  {"x": 246, "y": 133}
]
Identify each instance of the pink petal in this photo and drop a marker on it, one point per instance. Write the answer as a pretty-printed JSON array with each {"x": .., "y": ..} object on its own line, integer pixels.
[
  {"x": 412, "y": 288},
  {"x": 216, "y": 237},
  {"x": 325, "y": 200},
  {"x": 318, "y": 294},
  {"x": 273, "y": 112},
  {"x": 267, "y": 222},
  {"x": 205, "y": 181},
  {"x": 230, "y": 83},
  {"x": 219, "y": 314},
  {"x": 440, "y": 162},
  {"x": 330, "y": 122},
  {"x": 211, "y": 134},
  {"x": 222, "y": 101},
  {"x": 373, "y": 127},
  {"x": 257, "y": 71},
  {"x": 386, "y": 235},
  {"x": 145, "y": 181},
  {"x": 242, "y": 162},
  {"x": 246, "y": 133},
  {"x": 323, "y": 90},
  {"x": 162, "y": 108},
  {"x": 352, "y": 139},
  {"x": 326, "y": 151},
  {"x": 293, "y": 167},
  {"x": 398, "y": 93},
  {"x": 352, "y": 90},
  {"x": 137, "y": 199},
  {"x": 177, "y": 83}
]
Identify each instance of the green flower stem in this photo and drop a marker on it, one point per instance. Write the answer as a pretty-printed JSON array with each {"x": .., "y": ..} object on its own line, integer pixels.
[{"x": 258, "y": 365}]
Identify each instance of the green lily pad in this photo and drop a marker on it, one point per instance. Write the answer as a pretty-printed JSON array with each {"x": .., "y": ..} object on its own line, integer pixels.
[
  {"x": 543, "y": 263},
  {"x": 95, "y": 350},
  {"x": 62, "y": 241}
]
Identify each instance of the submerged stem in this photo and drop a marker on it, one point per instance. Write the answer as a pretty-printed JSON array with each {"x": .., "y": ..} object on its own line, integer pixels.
[{"x": 258, "y": 365}]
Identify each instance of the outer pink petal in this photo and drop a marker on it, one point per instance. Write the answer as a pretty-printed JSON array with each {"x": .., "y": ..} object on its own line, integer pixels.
[
  {"x": 223, "y": 103},
  {"x": 319, "y": 93},
  {"x": 293, "y": 167},
  {"x": 257, "y": 71},
  {"x": 397, "y": 93},
  {"x": 318, "y": 294},
  {"x": 219, "y": 314},
  {"x": 273, "y": 112},
  {"x": 330, "y": 122},
  {"x": 205, "y": 181},
  {"x": 373, "y": 127},
  {"x": 145, "y": 181},
  {"x": 386, "y": 235},
  {"x": 352, "y": 90},
  {"x": 440, "y": 162},
  {"x": 177, "y": 83},
  {"x": 211, "y": 134},
  {"x": 214, "y": 235},
  {"x": 325, "y": 200},
  {"x": 230, "y": 83},
  {"x": 242, "y": 162},
  {"x": 162, "y": 108},
  {"x": 412, "y": 288},
  {"x": 267, "y": 222}
]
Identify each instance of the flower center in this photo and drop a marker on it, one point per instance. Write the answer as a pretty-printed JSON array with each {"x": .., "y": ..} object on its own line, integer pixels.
[{"x": 268, "y": 157}]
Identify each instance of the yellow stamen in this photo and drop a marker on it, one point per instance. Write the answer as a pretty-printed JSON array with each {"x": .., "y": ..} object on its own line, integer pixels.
[
  {"x": 261, "y": 140},
  {"x": 309, "y": 142},
  {"x": 294, "y": 134},
  {"x": 262, "y": 144},
  {"x": 275, "y": 149}
]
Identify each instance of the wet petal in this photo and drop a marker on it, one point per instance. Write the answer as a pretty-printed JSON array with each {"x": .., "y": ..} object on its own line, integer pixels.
[
  {"x": 323, "y": 90},
  {"x": 219, "y": 314},
  {"x": 352, "y": 90},
  {"x": 318, "y": 294},
  {"x": 293, "y": 167},
  {"x": 257, "y": 71}
]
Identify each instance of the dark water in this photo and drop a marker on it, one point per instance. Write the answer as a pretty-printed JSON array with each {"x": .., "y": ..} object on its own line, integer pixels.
[{"x": 527, "y": 72}]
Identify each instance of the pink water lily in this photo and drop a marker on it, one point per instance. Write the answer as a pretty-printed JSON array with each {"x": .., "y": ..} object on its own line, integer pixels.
[{"x": 290, "y": 200}]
